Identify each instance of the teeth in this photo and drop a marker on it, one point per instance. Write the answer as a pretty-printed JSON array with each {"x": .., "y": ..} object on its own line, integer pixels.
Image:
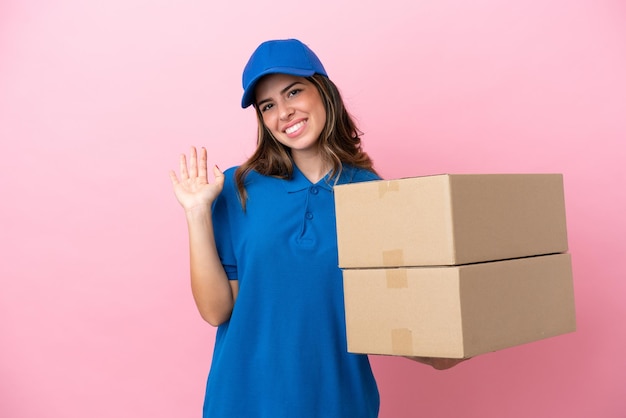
[{"x": 294, "y": 128}]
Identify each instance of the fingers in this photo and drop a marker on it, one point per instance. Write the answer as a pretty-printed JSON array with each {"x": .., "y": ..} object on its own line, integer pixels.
[
  {"x": 173, "y": 177},
  {"x": 184, "y": 174},
  {"x": 219, "y": 176},
  {"x": 438, "y": 363},
  {"x": 193, "y": 163},
  {"x": 202, "y": 172},
  {"x": 197, "y": 167}
]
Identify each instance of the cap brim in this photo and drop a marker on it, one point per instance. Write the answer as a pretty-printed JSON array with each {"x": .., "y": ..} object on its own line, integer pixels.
[{"x": 248, "y": 93}]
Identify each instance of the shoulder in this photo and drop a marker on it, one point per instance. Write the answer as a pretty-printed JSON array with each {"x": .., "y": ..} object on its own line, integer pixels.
[
  {"x": 229, "y": 177},
  {"x": 252, "y": 181},
  {"x": 229, "y": 191},
  {"x": 351, "y": 174},
  {"x": 230, "y": 172}
]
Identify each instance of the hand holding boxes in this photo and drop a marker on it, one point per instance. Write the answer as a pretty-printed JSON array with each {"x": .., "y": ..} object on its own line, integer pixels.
[{"x": 454, "y": 265}]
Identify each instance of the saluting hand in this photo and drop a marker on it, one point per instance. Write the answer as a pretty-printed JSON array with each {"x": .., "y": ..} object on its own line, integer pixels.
[{"x": 193, "y": 190}]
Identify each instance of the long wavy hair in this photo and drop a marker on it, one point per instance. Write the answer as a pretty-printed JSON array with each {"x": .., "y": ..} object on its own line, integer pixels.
[{"x": 339, "y": 142}]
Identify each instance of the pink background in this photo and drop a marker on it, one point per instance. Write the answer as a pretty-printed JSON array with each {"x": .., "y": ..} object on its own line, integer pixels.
[{"x": 97, "y": 99}]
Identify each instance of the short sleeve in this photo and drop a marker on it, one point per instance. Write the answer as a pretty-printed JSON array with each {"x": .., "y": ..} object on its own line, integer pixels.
[{"x": 222, "y": 227}]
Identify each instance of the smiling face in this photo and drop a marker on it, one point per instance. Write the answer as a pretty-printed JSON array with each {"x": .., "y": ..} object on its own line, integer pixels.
[{"x": 292, "y": 110}]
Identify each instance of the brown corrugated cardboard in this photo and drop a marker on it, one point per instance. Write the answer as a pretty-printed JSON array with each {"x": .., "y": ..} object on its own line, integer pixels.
[
  {"x": 449, "y": 219},
  {"x": 459, "y": 311}
]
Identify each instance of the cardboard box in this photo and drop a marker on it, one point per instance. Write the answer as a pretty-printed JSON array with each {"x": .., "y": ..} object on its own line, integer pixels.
[
  {"x": 460, "y": 311},
  {"x": 449, "y": 219}
]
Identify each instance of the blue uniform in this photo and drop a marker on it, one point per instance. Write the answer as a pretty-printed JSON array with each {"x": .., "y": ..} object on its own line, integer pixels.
[{"x": 283, "y": 352}]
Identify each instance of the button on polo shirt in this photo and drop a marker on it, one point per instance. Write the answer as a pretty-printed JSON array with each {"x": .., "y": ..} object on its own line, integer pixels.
[{"x": 317, "y": 202}]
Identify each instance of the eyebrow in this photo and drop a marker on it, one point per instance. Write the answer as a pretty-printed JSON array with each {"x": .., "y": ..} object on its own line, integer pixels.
[{"x": 283, "y": 91}]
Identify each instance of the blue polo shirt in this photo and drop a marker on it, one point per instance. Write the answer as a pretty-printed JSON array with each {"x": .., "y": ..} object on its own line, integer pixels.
[{"x": 283, "y": 352}]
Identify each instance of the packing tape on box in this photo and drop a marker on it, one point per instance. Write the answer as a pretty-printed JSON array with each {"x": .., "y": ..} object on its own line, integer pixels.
[
  {"x": 387, "y": 186},
  {"x": 401, "y": 341},
  {"x": 396, "y": 279},
  {"x": 393, "y": 258}
]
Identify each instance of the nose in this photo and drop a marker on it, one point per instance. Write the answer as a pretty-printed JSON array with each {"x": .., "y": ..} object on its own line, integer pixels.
[{"x": 285, "y": 111}]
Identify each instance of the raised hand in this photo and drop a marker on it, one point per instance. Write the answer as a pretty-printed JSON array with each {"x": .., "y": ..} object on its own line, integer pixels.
[{"x": 193, "y": 190}]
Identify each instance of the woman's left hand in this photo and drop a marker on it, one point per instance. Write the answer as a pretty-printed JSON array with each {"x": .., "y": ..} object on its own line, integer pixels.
[{"x": 438, "y": 363}]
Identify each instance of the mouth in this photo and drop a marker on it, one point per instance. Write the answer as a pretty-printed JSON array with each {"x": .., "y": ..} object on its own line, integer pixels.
[{"x": 294, "y": 128}]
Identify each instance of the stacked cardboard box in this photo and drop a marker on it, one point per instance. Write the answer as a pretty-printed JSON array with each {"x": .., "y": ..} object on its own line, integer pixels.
[{"x": 454, "y": 265}]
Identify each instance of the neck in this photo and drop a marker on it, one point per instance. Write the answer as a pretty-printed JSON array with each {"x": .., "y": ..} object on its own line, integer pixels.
[{"x": 312, "y": 166}]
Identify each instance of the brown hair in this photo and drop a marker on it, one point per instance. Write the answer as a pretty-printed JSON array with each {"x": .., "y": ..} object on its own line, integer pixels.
[{"x": 339, "y": 142}]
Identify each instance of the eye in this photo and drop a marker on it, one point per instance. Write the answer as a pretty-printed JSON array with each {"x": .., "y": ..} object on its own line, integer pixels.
[
  {"x": 294, "y": 92},
  {"x": 266, "y": 107}
]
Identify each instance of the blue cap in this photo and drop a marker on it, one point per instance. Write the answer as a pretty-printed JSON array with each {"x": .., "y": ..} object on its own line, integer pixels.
[{"x": 284, "y": 56}]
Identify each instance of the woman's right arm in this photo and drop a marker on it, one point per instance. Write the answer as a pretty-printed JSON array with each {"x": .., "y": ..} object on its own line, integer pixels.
[{"x": 212, "y": 291}]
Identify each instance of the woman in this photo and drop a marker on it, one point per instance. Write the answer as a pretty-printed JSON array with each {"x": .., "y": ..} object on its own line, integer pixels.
[{"x": 264, "y": 253}]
